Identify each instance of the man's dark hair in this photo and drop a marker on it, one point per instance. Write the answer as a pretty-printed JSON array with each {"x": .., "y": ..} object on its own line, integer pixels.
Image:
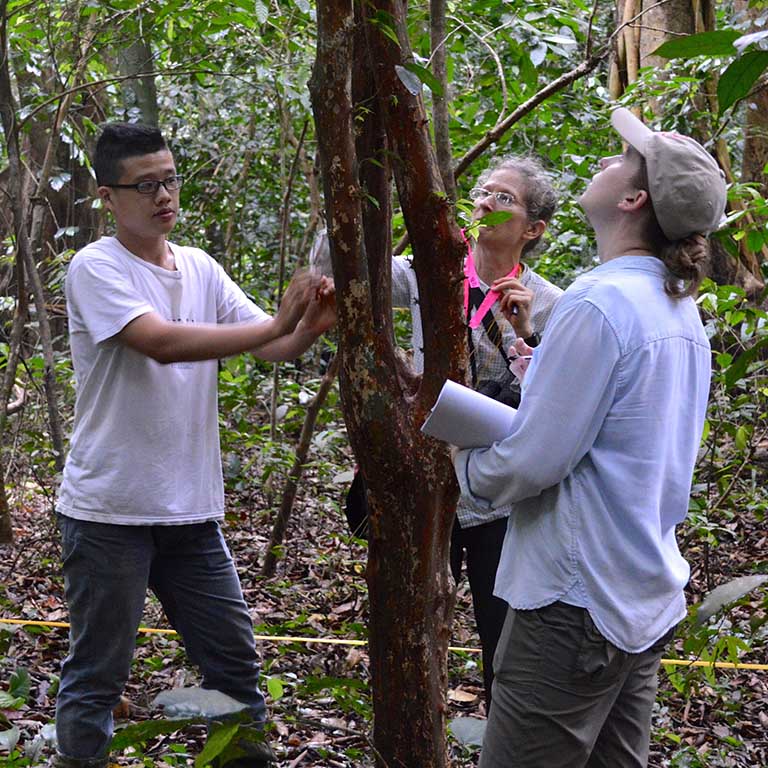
[{"x": 119, "y": 141}]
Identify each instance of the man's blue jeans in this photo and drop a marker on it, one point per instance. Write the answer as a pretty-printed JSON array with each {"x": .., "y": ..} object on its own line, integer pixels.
[{"x": 107, "y": 569}]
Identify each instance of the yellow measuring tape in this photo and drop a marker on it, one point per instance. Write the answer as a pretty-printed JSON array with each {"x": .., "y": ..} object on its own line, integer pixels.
[{"x": 342, "y": 641}]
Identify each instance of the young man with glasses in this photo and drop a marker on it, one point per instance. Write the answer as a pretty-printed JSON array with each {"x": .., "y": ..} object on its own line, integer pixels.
[{"x": 142, "y": 494}]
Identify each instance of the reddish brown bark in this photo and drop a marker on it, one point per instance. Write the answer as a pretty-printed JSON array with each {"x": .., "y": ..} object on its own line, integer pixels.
[{"x": 369, "y": 128}]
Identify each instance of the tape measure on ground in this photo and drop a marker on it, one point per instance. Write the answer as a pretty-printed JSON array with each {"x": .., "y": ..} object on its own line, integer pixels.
[{"x": 344, "y": 641}]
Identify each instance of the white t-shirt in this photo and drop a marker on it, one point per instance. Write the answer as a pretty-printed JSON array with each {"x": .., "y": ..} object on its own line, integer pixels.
[{"x": 145, "y": 444}]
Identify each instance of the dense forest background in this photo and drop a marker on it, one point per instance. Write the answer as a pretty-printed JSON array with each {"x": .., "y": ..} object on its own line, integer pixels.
[{"x": 236, "y": 88}]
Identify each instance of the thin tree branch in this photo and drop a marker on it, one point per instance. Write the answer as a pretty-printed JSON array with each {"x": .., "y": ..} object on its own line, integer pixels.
[
  {"x": 524, "y": 109},
  {"x": 297, "y": 470},
  {"x": 590, "y": 26},
  {"x": 121, "y": 78},
  {"x": 559, "y": 84},
  {"x": 440, "y": 101},
  {"x": 632, "y": 20},
  {"x": 284, "y": 222},
  {"x": 495, "y": 56}
]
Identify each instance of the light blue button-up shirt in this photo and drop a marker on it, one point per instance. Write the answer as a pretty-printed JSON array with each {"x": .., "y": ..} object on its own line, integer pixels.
[{"x": 599, "y": 461}]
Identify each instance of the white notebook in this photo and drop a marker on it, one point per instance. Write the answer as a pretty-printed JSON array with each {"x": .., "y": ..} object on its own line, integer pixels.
[{"x": 467, "y": 419}]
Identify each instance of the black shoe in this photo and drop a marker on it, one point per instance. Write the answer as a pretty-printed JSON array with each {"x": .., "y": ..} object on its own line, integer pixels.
[
  {"x": 245, "y": 753},
  {"x": 62, "y": 761}
]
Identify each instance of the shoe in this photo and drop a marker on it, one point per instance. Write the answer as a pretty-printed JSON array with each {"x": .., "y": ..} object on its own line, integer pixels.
[
  {"x": 62, "y": 761},
  {"x": 246, "y": 753}
]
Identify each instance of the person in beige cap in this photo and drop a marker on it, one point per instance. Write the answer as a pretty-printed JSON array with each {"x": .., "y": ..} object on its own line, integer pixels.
[{"x": 597, "y": 469}]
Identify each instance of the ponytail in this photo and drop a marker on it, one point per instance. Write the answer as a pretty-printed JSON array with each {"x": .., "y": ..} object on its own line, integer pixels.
[
  {"x": 687, "y": 260},
  {"x": 688, "y": 263}
]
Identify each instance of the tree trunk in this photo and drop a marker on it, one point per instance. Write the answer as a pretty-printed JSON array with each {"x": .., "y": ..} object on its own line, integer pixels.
[
  {"x": 34, "y": 252},
  {"x": 18, "y": 220},
  {"x": 139, "y": 93},
  {"x": 661, "y": 22},
  {"x": 756, "y": 139},
  {"x": 365, "y": 118},
  {"x": 6, "y": 524},
  {"x": 440, "y": 118},
  {"x": 755, "y": 161}
]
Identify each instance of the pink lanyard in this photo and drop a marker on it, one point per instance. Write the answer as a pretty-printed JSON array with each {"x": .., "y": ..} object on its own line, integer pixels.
[{"x": 473, "y": 281}]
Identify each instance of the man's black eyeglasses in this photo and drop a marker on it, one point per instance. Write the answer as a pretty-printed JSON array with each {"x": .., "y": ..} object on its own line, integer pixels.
[{"x": 150, "y": 186}]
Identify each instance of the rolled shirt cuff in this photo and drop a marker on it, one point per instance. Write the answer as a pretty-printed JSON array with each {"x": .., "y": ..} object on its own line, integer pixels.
[{"x": 461, "y": 467}]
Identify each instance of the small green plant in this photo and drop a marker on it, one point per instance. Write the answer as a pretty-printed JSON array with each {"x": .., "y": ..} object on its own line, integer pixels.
[
  {"x": 352, "y": 695},
  {"x": 227, "y": 739}
]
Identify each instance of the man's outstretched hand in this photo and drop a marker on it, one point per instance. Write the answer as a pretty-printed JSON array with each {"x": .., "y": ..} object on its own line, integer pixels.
[
  {"x": 320, "y": 313},
  {"x": 297, "y": 296}
]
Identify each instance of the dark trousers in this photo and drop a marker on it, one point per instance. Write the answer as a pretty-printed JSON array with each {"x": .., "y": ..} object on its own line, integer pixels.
[
  {"x": 481, "y": 546},
  {"x": 565, "y": 697},
  {"x": 107, "y": 569}
]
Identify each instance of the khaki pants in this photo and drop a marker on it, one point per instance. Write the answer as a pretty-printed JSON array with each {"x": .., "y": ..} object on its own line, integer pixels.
[{"x": 565, "y": 697}]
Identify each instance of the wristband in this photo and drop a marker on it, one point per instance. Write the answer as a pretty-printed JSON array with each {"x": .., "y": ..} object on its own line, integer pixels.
[{"x": 533, "y": 340}]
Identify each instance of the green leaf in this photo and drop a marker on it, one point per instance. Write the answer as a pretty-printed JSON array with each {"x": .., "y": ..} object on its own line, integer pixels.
[
  {"x": 739, "y": 368},
  {"x": 528, "y": 73},
  {"x": 724, "y": 359},
  {"x": 538, "y": 53},
  {"x": 9, "y": 701},
  {"x": 746, "y": 40},
  {"x": 57, "y": 182},
  {"x": 217, "y": 743},
  {"x": 736, "y": 82},
  {"x": 718, "y": 43},
  {"x": 426, "y": 77},
  {"x": 742, "y": 438},
  {"x": 20, "y": 684},
  {"x": 755, "y": 240},
  {"x": 468, "y": 730},
  {"x": 9, "y": 739},
  {"x": 384, "y": 22},
  {"x": 139, "y": 733},
  {"x": 410, "y": 80},
  {"x": 262, "y": 13},
  {"x": 497, "y": 217},
  {"x": 275, "y": 688}
]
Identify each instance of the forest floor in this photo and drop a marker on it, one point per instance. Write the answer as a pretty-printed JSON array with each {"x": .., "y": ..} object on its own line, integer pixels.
[{"x": 321, "y": 715}]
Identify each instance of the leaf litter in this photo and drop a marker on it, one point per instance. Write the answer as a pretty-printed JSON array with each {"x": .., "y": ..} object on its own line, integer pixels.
[{"x": 319, "y": 695}]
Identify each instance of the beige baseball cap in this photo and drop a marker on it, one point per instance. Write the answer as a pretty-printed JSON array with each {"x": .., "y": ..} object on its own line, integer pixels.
[{"x": 687, "y": 187}]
